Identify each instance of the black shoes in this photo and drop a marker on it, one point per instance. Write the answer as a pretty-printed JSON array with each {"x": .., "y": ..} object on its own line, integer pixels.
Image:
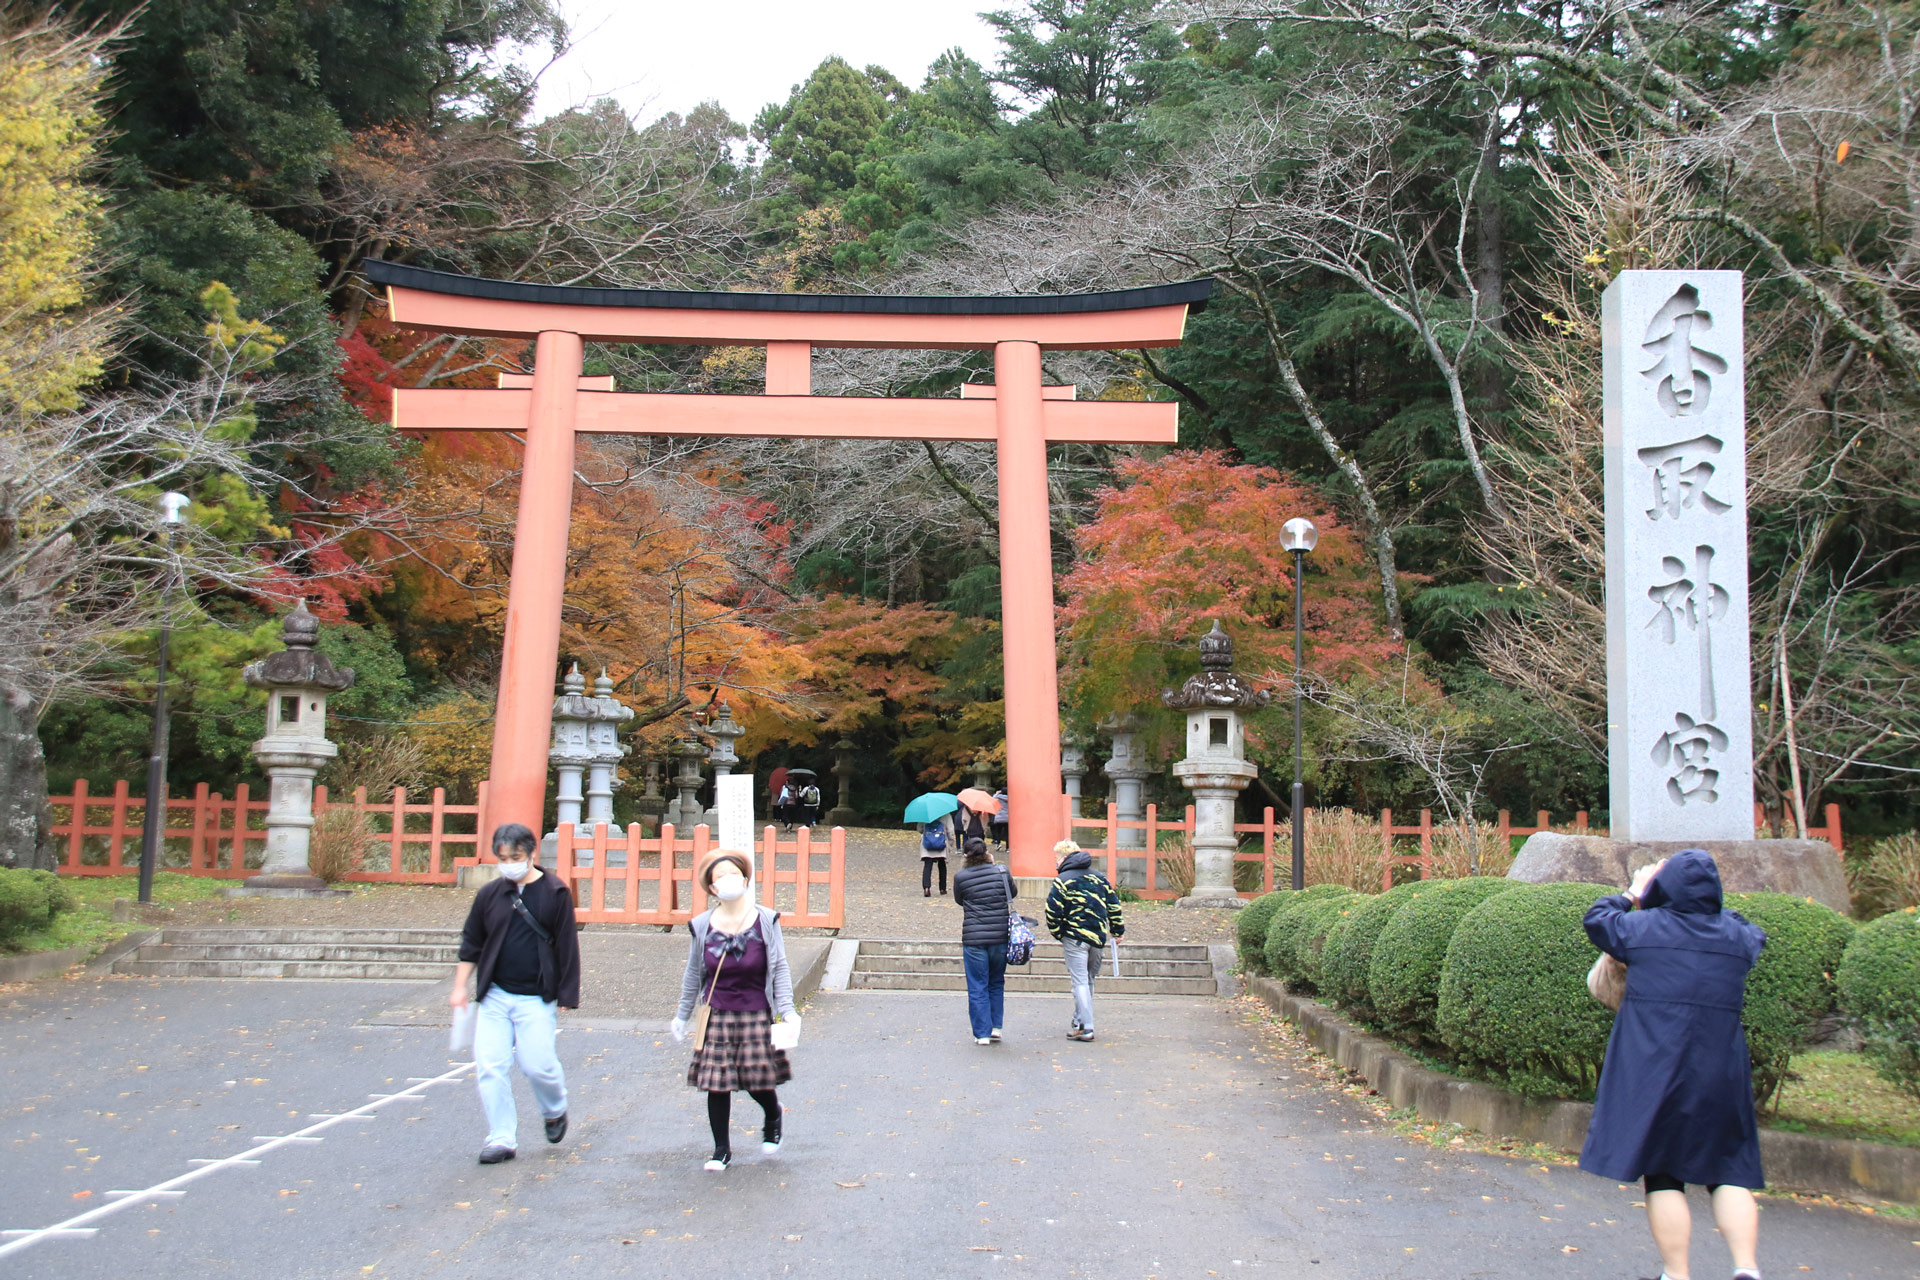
[
  {"x": 495, "y": 1155},
  {"x": 926, "y": 893},
  {"x": 557, "y": 1127},
  {"x": 770, "y": 1138}
]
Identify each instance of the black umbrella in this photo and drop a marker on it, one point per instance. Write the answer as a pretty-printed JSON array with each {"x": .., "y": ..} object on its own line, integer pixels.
[{"x": 803, "y": 773}]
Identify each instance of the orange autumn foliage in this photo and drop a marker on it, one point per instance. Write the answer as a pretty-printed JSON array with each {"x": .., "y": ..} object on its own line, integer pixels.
[{"x": 1190, "y": 537}]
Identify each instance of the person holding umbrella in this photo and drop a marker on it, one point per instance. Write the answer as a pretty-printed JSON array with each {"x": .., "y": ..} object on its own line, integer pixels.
[
  {"x": 936, "y": 836},
  {"x": 975, "y": 818}
]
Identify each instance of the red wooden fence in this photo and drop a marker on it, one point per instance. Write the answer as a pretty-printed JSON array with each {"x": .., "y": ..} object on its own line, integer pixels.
[
  {"x": 653, "y": 881},
  {"x": 208, "y": 834}
]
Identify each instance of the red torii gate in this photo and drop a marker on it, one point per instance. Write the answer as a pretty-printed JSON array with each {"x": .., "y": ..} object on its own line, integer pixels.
[{"x": 1017, "y": 414}]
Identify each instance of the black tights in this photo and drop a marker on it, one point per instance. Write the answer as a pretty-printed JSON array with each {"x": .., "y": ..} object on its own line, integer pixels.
[
  {"x": 720, "y": 1114},
  {"x": 926, "y": 873},
  {"x": 1667, "y": 1182}
]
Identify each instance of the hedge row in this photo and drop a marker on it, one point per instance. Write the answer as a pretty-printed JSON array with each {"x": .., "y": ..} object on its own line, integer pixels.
[
  {"x": 1491, "y": 973},
  {"x": 29, "y": 900}
]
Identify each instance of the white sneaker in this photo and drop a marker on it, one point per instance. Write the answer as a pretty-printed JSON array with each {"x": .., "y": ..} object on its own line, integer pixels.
[
  {"x": 995, "y": 1037},
  {"x": 717, "y": 1165},
  {"x": 983, "y": 1040},
  {"x": 770, "y": 1148}
]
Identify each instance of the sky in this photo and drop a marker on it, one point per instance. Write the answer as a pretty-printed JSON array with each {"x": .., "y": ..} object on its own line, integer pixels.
[{"x": 654, "y": 58}]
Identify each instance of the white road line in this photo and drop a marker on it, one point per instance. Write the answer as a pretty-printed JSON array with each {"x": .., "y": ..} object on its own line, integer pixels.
[{"x": 75, "y": 1228}]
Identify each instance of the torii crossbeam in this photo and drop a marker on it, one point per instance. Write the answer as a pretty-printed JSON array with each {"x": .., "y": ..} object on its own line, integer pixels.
[{"x": 555, "y": 404}]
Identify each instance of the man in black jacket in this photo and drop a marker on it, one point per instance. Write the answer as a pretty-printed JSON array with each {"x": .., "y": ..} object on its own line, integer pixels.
[{"x": 520, "y": 940}]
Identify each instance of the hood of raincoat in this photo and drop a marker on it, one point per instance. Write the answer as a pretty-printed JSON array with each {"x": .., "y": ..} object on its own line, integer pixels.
[
  {"x": 1078, "y": 860},
  {"x": 1689, "y": 884}
]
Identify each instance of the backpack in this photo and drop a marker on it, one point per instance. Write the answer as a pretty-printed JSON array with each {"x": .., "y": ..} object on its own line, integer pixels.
[
  {"x": 810, "y": 796},
  {"x": 933, "y": 838}
]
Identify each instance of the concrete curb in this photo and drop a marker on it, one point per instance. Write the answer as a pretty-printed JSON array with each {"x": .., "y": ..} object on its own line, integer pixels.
[
  {"x": 806, "y": 977},
  {"x": 1841, "y": 1167},
  {"x": 40, "y": 964}
]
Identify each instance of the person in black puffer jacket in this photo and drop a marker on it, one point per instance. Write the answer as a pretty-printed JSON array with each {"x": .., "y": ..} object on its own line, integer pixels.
[{"x": 984, "y": 892}]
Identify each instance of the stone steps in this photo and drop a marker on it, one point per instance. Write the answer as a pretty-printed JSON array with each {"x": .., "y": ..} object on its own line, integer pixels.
[
  {"x": 407, "y": 955},
  {"x": 1161, "y": 969}
]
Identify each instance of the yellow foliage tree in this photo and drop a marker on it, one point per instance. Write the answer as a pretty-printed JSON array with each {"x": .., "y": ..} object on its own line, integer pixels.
[{"x": 51, "y": 342}]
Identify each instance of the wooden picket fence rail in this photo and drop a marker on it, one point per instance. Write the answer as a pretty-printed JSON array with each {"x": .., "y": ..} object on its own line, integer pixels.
[
  {"x": 621, "y": 875},
  {"x": 1269, "y": 830},
  {"x": 208, "y": 834}
]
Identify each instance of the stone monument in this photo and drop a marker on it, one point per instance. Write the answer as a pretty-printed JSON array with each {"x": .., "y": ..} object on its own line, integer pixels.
[
  {"x": 1216, "y": 768},
  {"x": 297, "y": 681},
  {"x": 683, "y": 811},
  {"x": 1679, "y": 715},
  {"x": 1126, "y": 771}
]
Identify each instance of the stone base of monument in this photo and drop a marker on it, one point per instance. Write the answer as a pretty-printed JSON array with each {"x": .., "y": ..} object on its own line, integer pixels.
[
  {"x": 1804, "y": 868},
  {"x": 1228, "y": 901},
  {"x": 283, "y": 886},
  {"x": 842, "y": 817}
]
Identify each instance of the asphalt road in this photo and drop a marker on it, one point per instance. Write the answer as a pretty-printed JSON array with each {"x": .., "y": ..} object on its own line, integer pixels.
[{"x": 1182, "y": 1143}]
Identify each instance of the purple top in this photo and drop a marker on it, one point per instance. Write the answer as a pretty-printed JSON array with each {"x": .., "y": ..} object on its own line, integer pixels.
[{"x": 742, "y": 985}]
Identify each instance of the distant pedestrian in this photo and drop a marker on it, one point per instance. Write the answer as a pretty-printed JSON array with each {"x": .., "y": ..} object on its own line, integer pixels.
[
  {"x": 810, "y": 804},
  {"x": 935, "y": 840},
  {"x": 1082, "y": 912},
  {"x": 984, "y": 892},
  {"x": 776, "y": 791},
  {"x": 1000, "y": 819},
  {"x": 736, "y": 983},
  {"x": 1675, "y": 1103},
  {"x": 521, "y": 950},
  {"x": 971, "y": 824},
  {"x": 783, "y": 806}
]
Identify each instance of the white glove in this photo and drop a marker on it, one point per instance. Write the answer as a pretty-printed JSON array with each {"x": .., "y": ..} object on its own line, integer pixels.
[{"x": 679, "y": 1028}]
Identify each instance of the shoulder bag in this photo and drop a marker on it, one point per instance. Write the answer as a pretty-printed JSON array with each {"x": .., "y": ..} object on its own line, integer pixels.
[
  {"x": 704, "y": 1010},
  {"x": 1607, "y": 981}
]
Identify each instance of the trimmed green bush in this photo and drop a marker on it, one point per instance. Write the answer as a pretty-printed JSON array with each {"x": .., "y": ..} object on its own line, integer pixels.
[
  {"x": 1403, "y": 979},
  {"x": 1251, "y": 927},
  {"x": 29, "y": 900},
  {"x": 1299, "y": 929},
  {"x": 1316, "y": 922},
  {"x": 1349, "y": 948},
  {"x": 1879, "y": 981},
  {"x": 1513, "y": 991},
  {"x": 1277, "y": 951},
  {"x": 1791, "y": 987}
]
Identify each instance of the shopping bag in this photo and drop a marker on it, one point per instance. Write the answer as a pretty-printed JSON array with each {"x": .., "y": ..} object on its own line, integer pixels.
[
  {"x": 1113, "y": 946},
  {"x": 460, "y": 1038},
  {"x": 786, "y": 1032}
]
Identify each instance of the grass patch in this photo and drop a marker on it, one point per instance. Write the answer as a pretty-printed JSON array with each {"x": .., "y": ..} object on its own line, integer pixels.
[
  {"x": 91, "y": 923},
  {"x": 1839, "y": 1095}
]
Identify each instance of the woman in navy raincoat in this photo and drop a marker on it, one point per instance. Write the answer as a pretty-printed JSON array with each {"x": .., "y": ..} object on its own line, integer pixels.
[{"x": 1675, "y": 1103}]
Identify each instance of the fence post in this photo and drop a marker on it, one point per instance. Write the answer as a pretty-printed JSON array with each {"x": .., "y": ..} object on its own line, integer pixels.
[
  {"x": 77, "y": 825},
  {"x": 239, "y": 856},
  {"x": 1505, "y": 828},
  {"x": 397, "y": 855},
  {"x": 803, "y": 865},
  {"x": 1426, "y": 844},
  {"x": 198, "y": 855},
  {"x": 1386, "y": 850},
  {"x": 1580, "y": 822},
  {"x": 1833, "y": 828},
  {"x": 836, "y": 880},
  {"x": 434, "y": 831}
]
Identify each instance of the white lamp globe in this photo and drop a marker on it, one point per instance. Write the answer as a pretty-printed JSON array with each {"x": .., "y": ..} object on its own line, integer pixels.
[{"x": 1298, "y": 534}]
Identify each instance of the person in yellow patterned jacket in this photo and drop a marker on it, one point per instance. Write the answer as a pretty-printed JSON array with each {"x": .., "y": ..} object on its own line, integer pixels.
[{"x": 1082, "y": 910}]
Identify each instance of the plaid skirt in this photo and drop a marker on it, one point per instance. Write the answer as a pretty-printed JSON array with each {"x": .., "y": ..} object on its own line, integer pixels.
[{"x": 739, "y": 1053}]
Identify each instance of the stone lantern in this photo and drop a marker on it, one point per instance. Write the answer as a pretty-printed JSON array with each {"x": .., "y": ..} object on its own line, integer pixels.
[
  {"x": 725, "y": 731},
  {"x": 982, "y": 768},
  {"x": 1216, "y": 768},
  {"x": 586, "y": 744},
  {"x": 1073, "y": 767},
  {"x": 651, "y": 806},
  {"x": 683, "y": 811},
  {"x": 843, "y": 814},
  {"x": 297, "y": 681},
  {"x": 1127, "y": 769}
]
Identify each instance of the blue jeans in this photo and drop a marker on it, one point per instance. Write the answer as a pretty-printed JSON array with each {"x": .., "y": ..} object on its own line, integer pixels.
[
  {"x": 522, "y": 1027},
  {"x": 986, "y": 987}
]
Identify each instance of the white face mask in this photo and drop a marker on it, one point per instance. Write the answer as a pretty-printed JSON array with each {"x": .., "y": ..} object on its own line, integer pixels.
[
  {"x": 516, "y": 870},
  {"x": 728, "y": 888}
]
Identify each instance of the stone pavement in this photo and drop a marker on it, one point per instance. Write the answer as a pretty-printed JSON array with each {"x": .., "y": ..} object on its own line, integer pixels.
[{"x": 1187, "y": 1141}]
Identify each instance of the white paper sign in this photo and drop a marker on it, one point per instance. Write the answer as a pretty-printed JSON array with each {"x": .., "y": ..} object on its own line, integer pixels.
[
  {"x": 1679, "y": 722},
  {"x": 733, "y": 798}
]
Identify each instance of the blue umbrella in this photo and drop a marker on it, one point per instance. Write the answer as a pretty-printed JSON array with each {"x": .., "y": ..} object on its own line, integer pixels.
[{"x": 930, "y": 807}]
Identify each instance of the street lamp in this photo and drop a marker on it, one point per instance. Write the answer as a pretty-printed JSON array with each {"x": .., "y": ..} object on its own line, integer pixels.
[
  {"x": 152, "y": 830},
  {"x": 1299, "y": 536}
]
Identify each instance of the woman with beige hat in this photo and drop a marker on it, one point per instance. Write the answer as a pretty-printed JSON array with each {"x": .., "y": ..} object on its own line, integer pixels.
[{"x": 735, "y": 985}]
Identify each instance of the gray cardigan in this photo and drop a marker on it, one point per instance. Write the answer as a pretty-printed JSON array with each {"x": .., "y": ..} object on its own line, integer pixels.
[{"x": 779, "y": 978}]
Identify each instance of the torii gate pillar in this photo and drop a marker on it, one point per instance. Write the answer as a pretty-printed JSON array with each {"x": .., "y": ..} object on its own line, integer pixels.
[
  {"x": 1032, "y": 678},
  {"x": 536, "y": 589}
]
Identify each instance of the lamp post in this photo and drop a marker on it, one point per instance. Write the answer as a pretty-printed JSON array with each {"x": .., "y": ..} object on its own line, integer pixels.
[
  {"x": 1299, "y": 536},
  {"x": 153, "y": 827}
]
